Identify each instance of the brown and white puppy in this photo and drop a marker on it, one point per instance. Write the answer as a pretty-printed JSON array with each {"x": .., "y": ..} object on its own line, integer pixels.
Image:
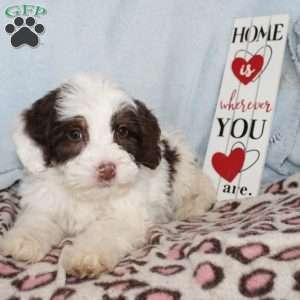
[{"x": 98, "y": 169}]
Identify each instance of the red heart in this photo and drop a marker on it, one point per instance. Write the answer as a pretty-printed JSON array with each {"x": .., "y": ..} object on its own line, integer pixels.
[
  {"x": 229, "y": 166},
  {"x": 244, "y": 70}
]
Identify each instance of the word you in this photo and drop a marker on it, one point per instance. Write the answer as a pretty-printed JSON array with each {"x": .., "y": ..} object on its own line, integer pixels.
[{"x": 240, "y": 127}]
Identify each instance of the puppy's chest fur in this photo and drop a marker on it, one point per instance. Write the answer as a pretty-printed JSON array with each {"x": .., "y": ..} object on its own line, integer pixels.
[{"x": 149, "y": 198}]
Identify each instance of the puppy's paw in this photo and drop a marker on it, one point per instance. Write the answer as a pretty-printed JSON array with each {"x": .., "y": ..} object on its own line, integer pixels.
[
  {"x": 83, "y": 262},
  {"x": 22, "y": 247}
]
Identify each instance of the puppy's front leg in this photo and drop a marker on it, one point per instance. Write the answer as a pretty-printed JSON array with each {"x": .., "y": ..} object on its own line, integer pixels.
[
  {"x": 31, "y": 237},
  {"x": 103, "y": 245}
]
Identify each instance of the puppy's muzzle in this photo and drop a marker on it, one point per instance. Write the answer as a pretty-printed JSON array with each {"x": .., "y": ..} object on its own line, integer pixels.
[{"x": 106, "y": 171}]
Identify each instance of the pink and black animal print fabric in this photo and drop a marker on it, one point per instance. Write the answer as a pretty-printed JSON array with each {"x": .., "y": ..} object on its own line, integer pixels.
[{"x": 247, "y": 249}]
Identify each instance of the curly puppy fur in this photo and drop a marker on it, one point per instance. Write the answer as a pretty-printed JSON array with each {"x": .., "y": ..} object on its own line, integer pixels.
[{"x": 99, "y": 170}]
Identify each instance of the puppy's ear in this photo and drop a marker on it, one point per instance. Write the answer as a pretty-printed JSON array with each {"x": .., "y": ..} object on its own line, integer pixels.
[
  {"x": 150, "y": 154},
  {"x": 32, "y": 131}
]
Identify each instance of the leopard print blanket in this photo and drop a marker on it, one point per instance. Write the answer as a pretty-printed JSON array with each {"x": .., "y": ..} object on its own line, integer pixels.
[{"x": 247, "y": 249}]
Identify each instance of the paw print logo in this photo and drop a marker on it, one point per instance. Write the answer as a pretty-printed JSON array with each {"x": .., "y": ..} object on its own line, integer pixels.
[{"x": 27, "y": 33}]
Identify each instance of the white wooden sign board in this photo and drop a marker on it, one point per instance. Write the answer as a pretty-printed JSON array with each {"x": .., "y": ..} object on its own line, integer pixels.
[{"x": 241, "y": 127}]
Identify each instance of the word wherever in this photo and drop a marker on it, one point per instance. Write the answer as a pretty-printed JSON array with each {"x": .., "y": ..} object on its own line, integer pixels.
[{"x": 245, "y": 105}]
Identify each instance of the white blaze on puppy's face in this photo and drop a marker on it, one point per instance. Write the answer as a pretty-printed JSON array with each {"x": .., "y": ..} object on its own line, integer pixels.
[
  {"x": 94, "y": 134},
  {"x": 96, "y": 102}
]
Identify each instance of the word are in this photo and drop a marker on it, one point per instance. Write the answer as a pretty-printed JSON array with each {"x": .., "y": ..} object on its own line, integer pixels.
[{"x": 232, "y": 189}]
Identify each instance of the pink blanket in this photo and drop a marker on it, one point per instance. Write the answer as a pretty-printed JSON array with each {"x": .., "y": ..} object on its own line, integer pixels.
[{"x": 247, "y": 249}]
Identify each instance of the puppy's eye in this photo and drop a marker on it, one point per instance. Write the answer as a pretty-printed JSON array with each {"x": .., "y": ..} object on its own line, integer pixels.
[
  {"x": 122, "y": 131},
  {"x": 75, "y": 135}
]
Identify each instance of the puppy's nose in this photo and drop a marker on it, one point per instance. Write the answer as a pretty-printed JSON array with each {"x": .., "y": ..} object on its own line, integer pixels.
[{"x": 106, "y": 171}]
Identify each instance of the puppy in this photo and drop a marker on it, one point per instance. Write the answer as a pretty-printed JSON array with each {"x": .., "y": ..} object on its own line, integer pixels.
[{"x": 99, "y": 170}]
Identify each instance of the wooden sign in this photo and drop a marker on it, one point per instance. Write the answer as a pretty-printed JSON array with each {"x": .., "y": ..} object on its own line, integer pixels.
[{"x": 241, "y": 127}]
